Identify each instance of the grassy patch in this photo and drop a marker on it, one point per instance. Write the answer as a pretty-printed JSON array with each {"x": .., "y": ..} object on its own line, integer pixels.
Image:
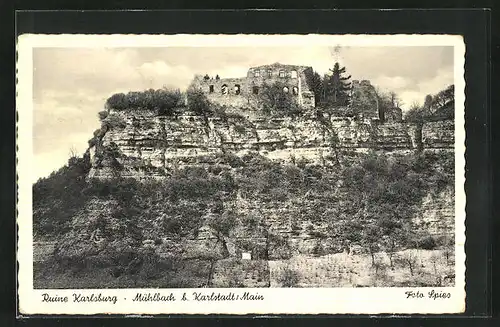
[{"x": 343, "y": 270}]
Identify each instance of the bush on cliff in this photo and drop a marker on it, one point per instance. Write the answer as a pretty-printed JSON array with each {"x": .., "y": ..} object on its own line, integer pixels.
[
  {"x": 113, "y": 121},
  {"x": 102, "y": 114},
  {"x": 163, "y": 100},
  {"x": 57, "y": 198},
  {"x": 277, "y": 99},
  {"x": 440, "y": 106},
  {"x": 198, "y": 102}
]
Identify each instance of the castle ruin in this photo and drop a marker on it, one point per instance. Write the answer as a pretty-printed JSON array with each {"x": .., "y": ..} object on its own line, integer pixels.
[{"x": 244, "y": 91}]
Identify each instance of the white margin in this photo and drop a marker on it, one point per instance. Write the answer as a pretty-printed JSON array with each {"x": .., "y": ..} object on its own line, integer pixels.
[{"x": 276, "y": 300}]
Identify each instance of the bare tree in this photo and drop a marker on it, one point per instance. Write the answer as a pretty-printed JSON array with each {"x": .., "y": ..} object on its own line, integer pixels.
[
  {"x": 434, "y": 259},
  {"x": 73, "y": 153},
  {"x": 448, "y": 253},
  {"x": 410, "y": 260},
  {"x": 395, "y": 99}
]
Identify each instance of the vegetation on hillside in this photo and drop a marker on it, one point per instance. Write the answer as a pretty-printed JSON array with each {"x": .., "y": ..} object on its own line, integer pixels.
[
  {"x": 440, "y": 106},
  {"x": 58, "y": 198},
  {"x": 114, "y": 227},
  {"x": 333, "y": 89},
  {"x": 163, "y": 100},
  {"x": 336, "y": 87},
  {"x": 278, "y": 100},
  {"x": 369, "y": 201}
]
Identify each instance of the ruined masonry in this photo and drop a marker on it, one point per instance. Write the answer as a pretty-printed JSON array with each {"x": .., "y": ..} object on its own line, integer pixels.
[{"x": 244, "y": 91}]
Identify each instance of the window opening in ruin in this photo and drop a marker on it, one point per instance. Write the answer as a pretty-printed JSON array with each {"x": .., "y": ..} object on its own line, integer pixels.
[
  {"x": 211, "y": 89},
  {"x": 246, "y": 256},
  {"x": 269, "y": 73},
  {"x": 256, "y": 73},
  {"x": 293, "y": 74},
  {"x": 255, "y": 90},
  {"x": 223, "y": 89},
  {"x": 295, "y": 90},
  {"x": 282, "y": 74},
  {"x": 285, "y": 89},
  {"x": 237, "y": 89}
]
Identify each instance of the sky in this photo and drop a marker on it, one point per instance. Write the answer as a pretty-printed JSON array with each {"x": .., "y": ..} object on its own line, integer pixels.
[{"x": 71, "y": 85}]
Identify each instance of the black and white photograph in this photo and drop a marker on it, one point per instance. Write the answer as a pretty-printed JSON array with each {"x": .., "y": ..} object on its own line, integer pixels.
[{"x": 202, "y": 170}]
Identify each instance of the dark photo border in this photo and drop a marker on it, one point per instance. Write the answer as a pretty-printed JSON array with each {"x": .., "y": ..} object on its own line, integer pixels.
[{"x": 474, "y": 25}]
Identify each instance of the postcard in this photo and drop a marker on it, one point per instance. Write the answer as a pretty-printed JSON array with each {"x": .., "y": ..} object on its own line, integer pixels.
[{"x": 241, "y": 174}]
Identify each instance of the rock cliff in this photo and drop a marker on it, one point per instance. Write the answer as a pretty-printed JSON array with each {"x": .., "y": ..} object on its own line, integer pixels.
[{"x": 142, "y": 144}]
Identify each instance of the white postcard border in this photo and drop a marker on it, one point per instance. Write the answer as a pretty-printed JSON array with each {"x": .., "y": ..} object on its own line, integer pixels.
[{"x": 275, "y": 300}]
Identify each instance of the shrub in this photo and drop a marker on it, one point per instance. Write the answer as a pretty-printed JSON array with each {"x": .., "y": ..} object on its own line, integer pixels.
[
  {"x": 316, "y": 234},
  {"x": 448, "y": 254},
  {"x": 117, "y": 101},
  {"x": 114, "y": 121},
  {"x": 426, "y": 243},
  {"x": 289, "y": 277},
  {"x": 152, "y": 266},
  {"x": 408, "y": 260},
  {"x": 102, "y": 114},
  {"x": 318, "y": 249},
  {"x": 198, "y": 102},
  {"x": 164, "y": 100},
  {"x": 296, "y": 229},
  {"x": 57, "y": 198},
  {"x": 239, "y": 129},
  {"x": 380, "y": 276}
]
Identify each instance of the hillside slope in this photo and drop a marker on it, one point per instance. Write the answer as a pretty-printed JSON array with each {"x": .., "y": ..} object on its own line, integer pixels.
[{"x": 177, "y": 201}]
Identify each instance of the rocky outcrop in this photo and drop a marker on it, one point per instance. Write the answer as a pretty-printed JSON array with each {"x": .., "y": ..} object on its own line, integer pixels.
[
  {"x": 436, "y": 214},
  {"x": 365, "y": 99},
  {"x": 438, "y": 134},
  {"x": 140, "y": 143}
]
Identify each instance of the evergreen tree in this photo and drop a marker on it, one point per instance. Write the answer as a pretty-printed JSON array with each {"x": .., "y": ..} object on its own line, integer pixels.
[
  {"x": 337, "y": 87},
  {"x": 315, "y": 83}
]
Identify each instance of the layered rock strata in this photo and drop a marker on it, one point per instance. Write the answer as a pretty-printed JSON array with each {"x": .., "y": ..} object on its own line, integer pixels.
[{"x": 145, "y": 144}]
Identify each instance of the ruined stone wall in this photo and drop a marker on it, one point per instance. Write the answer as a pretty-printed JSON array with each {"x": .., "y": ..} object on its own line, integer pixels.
[
  {"x": 293, "y": 76},
  {"x": 244, "y": 91},
  {"x": 364, "y": 99},
  {"x": 224, "y": 91},
  {"x": 438, "y": 134}
]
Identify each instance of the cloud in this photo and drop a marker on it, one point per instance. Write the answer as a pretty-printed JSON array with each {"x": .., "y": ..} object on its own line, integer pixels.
[
  {"x": 159, "y": 73},
  {"x": 391, "y": 83},
  {"x": 62, "y": 120},
  {"x": 417, "y": 63},
  {"x": 71, "y": 84},
  {"x": 441, "y": 80},
  {"x": 409, "y": 98}
]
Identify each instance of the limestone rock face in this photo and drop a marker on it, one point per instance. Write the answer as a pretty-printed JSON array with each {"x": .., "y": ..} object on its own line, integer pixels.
[
  {"x": 149, "y": 145},
  {"x": 438, "y": 135},
  {"x": 140, "y": 144},
  {"x": 437, "y": 213},
  {"x": 365, "y": 99}
]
